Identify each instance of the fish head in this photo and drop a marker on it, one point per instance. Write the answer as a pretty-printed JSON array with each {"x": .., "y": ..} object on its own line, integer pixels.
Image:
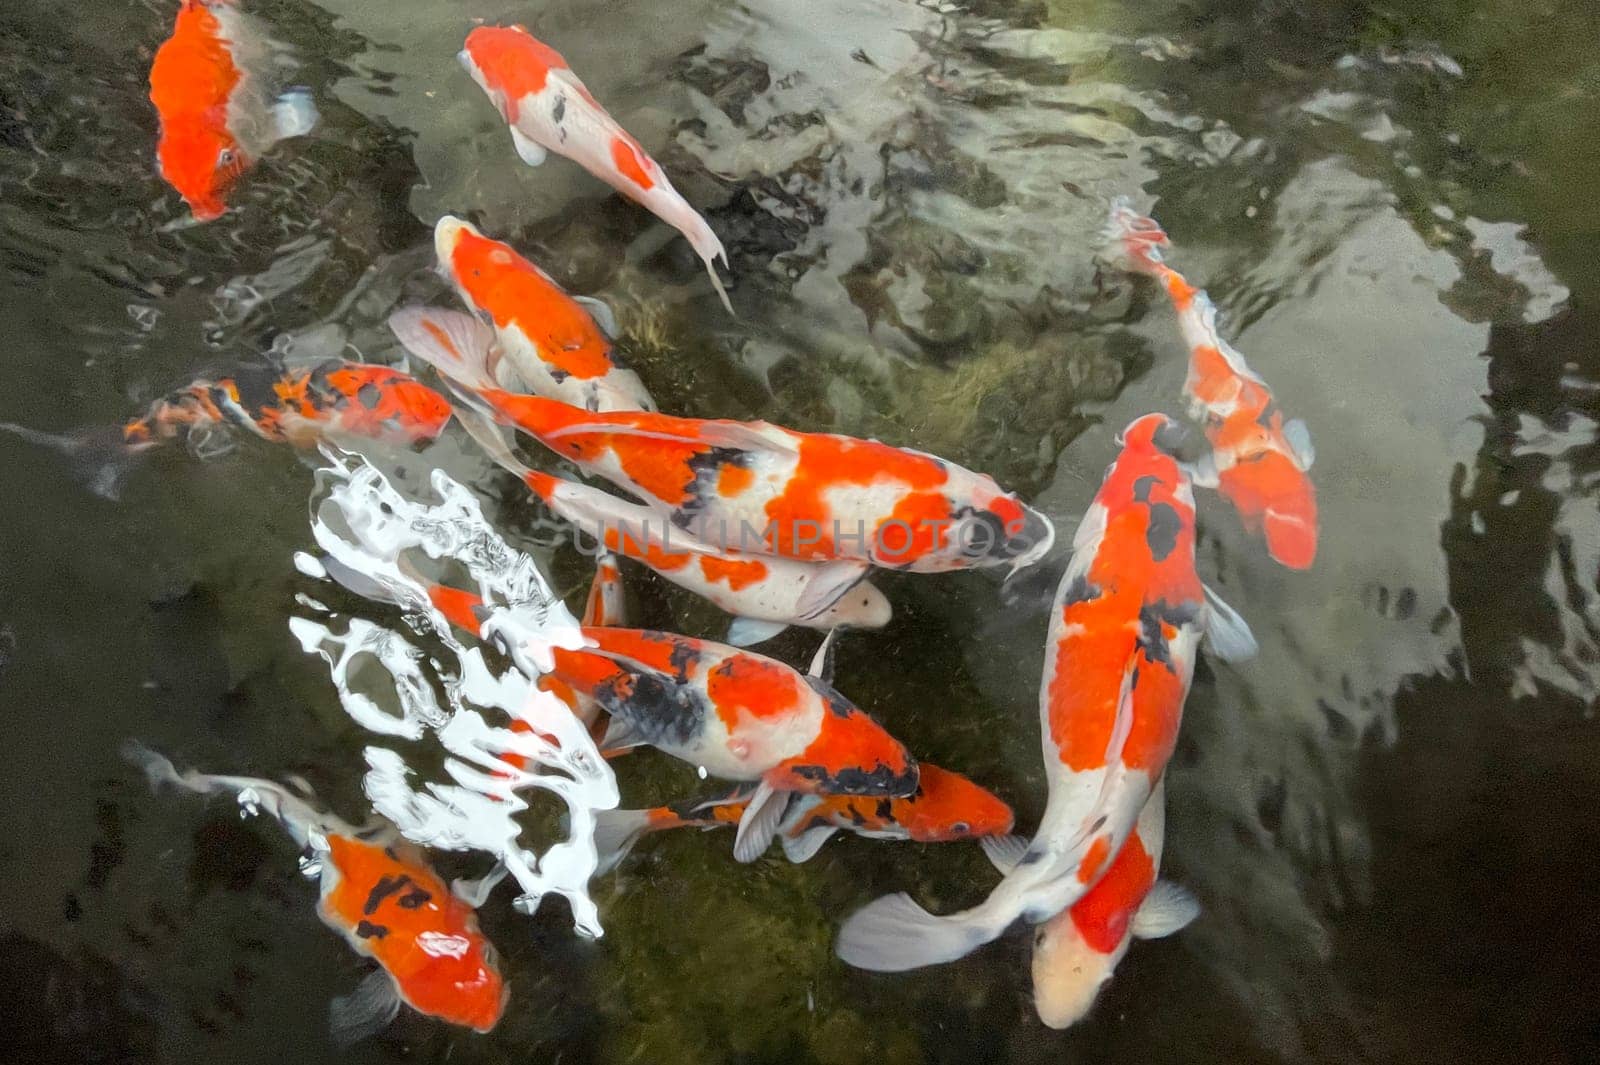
[
  {"x": 1136, "y": 237},
  {"x": 851, "y": 755},
  {"x": 509, "y": 63},
  {"x": 454, "y": 974},
  {"x": 864, "y": 606},
  {"x": 1000, "y": 528},
  {"x": 448, "y": 233},
  {"x": 948, "y": 806},
  {"x": 1067, "y": 972},
  {"x": 202, "y": 161}
]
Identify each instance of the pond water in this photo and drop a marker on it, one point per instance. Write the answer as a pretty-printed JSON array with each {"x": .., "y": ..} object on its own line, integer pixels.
[{"x": 1387, "y": 816}]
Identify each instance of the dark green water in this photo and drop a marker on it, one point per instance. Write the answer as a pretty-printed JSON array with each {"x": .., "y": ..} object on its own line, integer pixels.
[{"x": 1389, "y": 816}]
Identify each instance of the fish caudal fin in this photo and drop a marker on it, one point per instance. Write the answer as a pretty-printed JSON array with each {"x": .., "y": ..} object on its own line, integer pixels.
[
  {"x": 458, "y": 345},
  {"x": 294, "y": 114},
  {"x": 615, "y": 833},
  {"x": 894, "y": 934},
  {"x": 364, "y": 1012},
  {"x": 101, "y": 458},
  {"x": 157, "y": 767}
]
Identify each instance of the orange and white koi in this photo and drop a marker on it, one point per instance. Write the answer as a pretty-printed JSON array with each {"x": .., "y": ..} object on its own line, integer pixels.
[
  {"x": 1258, "y": 461},
  {"x": 1128, "y": 617},
  {"x": 331, "y": 399},
  {"x": 210, "y": 87},
  {"x": 738, "y": 716},
  {"x": 550, "y": 110},
  {"x": 945, "y": 808},
  {"x": 755, "y": 487},
  {"x": 380, "y": 894},
  {"x": 557, "y": 345},
  {"x": 1076, "y": 952}
]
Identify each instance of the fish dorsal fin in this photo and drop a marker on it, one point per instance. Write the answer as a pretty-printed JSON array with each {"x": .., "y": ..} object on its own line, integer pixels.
[
  {"x": 828, "y": 584},
  {"x": 1004, "y": 852},
  {"x": 529, "y": 150},
  {"x": 747, "y": 632},
  {"x": 803, "y": 848},
  {"x": 602, "y": 314},
  {"x": 759, "y": 823},
  {"x": 366, "y": 1011},
  {"x": 1299, "y": 440},
  {"x": 734, "y": 436},
  {"x": 1168, "y": 908},
  {"x": 1227, "y": 633}
]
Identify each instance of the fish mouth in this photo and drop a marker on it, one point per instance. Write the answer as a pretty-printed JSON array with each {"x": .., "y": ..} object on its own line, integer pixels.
[{"x": 206, "y": 210}]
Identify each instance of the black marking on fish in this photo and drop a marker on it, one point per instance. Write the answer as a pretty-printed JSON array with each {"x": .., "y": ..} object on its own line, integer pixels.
[
  {"x": 885, "y": 809},
  {"x": 1169, "y": 437},
  {"x": 559, "y": 111},
  {"x": 666, "y": 714},
  {"x": 368, "y": 930},
  {"x": 257, "y": 387},
  {"x": 853, "y": 780},
  {"x": 385, "y": 887},
  {"x": 682, "y": 659},
  {"x": 415, "y": 899},
  {"x": 706, "y": 468},
  {"x": 980, "y": 534},
  {"x": 1162, "y": 532},
  {"x": 1080, "y": 591},
  {"x": 557, "y": 374},
  {"x": 836, "y": 703},
  {"x": 1152, "y": 639},
  {"x": 393, "y": 857},
  {"x": 370, "y": 395},
  {"x": 1142, "y": 487}
]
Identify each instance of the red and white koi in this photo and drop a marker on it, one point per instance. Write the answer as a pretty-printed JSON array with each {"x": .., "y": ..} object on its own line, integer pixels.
[
  {"x": 1128, "y": 617},
  {"x": 945, "y": 808},
  {"x": 380, "y": 894},
  {"x": 755, "y": 487},
  {"x": 738, "y": 716},
  {"x": 1259, "y": 462},
  {"x": 550, "y": 110},
  {"x": 332, "y": 399},
  {"x": 210, "y": 87},
  {"x": 1076, "y": 952},
  {"x": 557, "y": 345}
]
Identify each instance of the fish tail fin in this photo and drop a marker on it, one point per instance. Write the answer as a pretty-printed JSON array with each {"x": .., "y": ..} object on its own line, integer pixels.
[
  {"x": 102, "y": 457},
  {"x": 254, "y": 795},
  {"x": 157, "y": 767},
  {"x": 709, "y": 247},
  {"x": 893, "y": 934},
  {"x": 615, "y": 833}
]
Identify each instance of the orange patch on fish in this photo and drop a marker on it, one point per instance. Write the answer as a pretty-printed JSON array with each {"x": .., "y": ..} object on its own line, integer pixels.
[
  {"x": 827, "y": 462},
  {"x": 1094, "y": 859},
  {"x": 513, "y": 61},
  {"x": 733, "y": 480},
  {"x": 1087, "y": 679},
  {"x": 458, "y": 607},
  {"x": 1102, "y": 915},
  {"x": 1272, "y": 494},
  {"x": 629, "y": 159},
  {"x": 746, "y": 684},
  {"x": 737, "y": 574},
  {"x": 515, "y": 293}
]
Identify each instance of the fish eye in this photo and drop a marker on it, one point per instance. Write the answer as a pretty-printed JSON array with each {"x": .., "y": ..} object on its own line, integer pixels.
[
  {"x": 225, "y": 157},
  {"x": 960, "y": 828}
]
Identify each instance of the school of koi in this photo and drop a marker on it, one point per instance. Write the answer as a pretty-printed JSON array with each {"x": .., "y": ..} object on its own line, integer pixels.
[{"x": 816, "y": 512}]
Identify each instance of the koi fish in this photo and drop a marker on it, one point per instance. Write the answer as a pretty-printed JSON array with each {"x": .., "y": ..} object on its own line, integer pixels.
[
  {"x": 1076, "y": 952},
  {"x": 755, "y": 487},
  {"x": 301, "y": 407},
  {"x": 946, "y": 807},
  {"x": 209, "y": 84},
  {"x": 765, "y": 594},
  {"x": 1128, "y": 616},
  {"x": 379, "y": 893},
  {"x": 1259, "y": 462},
  {"x": 558, "y": 345},
  {"x": 738, "y": 716},
  {"x": 550, "y": 110}
]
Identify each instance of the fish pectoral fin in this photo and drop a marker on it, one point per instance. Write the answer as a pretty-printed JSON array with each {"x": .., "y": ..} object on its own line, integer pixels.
[
  {"x": 492, "y": 438},
  {"x": 803, "y": 848},
  {"x": 822, "y": 662},
  {"x": 1227, "y": 633},
  {"x": 601, "y": 312},
  {"x": 1167, "y": 909},
  {"x": 1004, "y": 852},
  {"x": 294, "y": 114},
  {"x": 1203, "y": 470},
  {"x": 1299, "y": 438},
  {"x": 476, "y": 892},
  {"x": 366, "y": 1011},
  {"x": 529, "y": 150},
  {"x": 828, "y": 584},
  {"x": 759, "y": 823},
  {"x": 747, "y": 632},
  {"x": 457, "y": 344},
  {"x": 622, "y": 735}
]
